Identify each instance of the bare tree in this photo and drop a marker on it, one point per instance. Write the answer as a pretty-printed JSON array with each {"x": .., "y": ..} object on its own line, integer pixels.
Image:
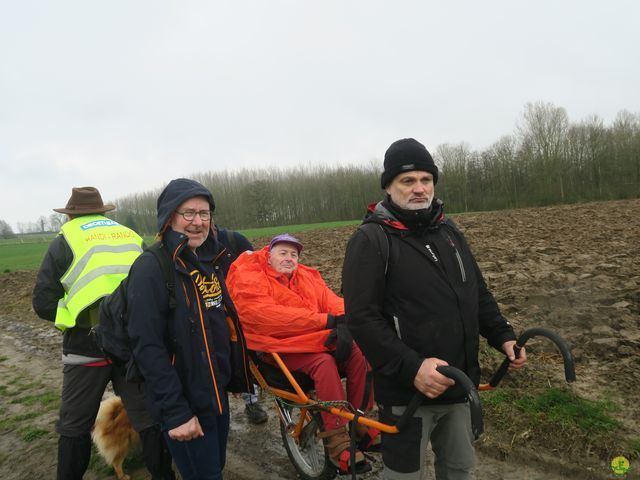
[
  {"x": 5, "y": 230},
  {"x": 455, "y": 161},
  {"x": 28, "y": 227},
  {"x": 626, "y": 153},
  {"x": 544, "y": 130},
  {"x": 56, "y": 220}
]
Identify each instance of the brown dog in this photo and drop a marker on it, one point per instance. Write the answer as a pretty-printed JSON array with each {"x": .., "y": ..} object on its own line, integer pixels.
[{"x": 113, "y": 434}]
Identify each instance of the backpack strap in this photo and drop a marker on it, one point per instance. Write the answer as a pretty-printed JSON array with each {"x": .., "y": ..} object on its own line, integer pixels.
[
  {"x": 163, "y": 257},
  {"x": 232, "y": 242},
  {"x": 447, "y": 222},
  {"x": 378, "y": 236}
]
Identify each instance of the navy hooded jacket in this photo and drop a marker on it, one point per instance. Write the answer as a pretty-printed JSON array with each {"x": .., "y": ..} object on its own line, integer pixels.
[{"x": 192, "y": 355}]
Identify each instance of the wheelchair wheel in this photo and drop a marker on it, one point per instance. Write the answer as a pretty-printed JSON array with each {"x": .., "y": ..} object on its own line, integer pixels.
[{"x": 305, "y": 450}]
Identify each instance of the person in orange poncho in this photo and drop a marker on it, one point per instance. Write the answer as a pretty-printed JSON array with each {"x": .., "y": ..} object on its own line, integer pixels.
[{"x": 286, "y": 307}]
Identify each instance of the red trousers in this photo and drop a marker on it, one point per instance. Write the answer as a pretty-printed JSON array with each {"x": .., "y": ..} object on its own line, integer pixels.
[{"x": 326, "y": 373}]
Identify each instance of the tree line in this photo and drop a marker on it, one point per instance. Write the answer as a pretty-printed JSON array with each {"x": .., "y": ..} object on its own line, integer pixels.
[
  {"x": 547, "y": 160},
  {"x": 264, "y": 197},
  {"x": 50, "y": 224}
]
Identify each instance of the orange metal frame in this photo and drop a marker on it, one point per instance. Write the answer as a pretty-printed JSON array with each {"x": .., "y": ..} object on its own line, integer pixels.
[{"x": 300, "y": 397}]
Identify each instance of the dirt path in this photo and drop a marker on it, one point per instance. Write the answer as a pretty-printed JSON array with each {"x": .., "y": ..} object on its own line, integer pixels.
[
  {"x": 575, "y": 269},
  {"x": 255, "y": 452}
]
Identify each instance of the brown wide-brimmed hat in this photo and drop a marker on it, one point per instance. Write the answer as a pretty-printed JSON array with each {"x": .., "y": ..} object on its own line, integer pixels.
[{"x": 84, "y": 200}]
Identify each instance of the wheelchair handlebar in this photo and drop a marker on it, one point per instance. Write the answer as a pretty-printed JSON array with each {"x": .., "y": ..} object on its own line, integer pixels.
[
  {"x": 563, "y": 346},
  {"x": 472, "y": 395}
]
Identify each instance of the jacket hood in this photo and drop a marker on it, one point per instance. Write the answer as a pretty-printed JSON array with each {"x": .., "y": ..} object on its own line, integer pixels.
[{"x": 176, "y": 192}]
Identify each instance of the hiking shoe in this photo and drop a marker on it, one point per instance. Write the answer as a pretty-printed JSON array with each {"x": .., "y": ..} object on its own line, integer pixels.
[
  {"x": 255, "y": 413},
  {"x": 337, "y": 443}
]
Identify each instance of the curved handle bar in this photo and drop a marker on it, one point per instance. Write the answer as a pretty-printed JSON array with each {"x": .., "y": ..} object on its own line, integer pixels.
[
  {"x": 569, "y": 366},
  {"x": 472, "y": 395}
]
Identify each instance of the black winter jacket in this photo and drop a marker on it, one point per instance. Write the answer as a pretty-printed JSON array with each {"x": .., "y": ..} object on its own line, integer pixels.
[{"x": 432, "y": 302}]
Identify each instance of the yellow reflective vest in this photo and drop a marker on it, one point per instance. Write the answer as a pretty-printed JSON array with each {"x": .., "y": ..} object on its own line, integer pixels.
[{"x": 103, "y": 251}]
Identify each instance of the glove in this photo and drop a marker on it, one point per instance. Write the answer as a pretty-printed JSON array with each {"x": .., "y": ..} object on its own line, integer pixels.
[
  {"x": 334, "y": 320},
  {"x": 341, "y": 337}
]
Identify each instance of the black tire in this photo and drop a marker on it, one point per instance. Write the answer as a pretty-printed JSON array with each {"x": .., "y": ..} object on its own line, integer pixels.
[{"x": 307, "y": 454}]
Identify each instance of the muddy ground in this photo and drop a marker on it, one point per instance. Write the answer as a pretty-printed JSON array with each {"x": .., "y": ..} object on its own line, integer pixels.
[{"x": 574, "y": 269}]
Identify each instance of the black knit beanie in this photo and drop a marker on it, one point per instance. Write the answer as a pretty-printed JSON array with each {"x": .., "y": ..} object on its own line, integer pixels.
[{"x": 407, "y": 155}]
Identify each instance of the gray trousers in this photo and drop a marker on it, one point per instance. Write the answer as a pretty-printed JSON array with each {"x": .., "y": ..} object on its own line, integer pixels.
[
  {"x": 82, "y": 389},
  {"x": 447, "y": 427}
]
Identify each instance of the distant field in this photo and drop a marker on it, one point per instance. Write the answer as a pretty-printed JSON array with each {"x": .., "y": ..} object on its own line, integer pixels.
[
  {"x": 25, "y": 256},
  {"x": 22, "y": 239},
  {"x": 303, "y": 227},
  {"x": 26, "y": 253}
]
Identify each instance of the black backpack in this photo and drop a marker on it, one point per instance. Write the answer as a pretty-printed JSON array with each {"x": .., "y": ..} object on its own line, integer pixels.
[
  {"x": 378, "y": 236},
  {"x": 111, "y": 332}
]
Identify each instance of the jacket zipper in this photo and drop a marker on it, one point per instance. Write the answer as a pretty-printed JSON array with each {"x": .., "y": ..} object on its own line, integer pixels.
[
  {"x": 396, "y": 322},
  {"x": 463, "y": 273},
  {"x": 206, "y": 345}
]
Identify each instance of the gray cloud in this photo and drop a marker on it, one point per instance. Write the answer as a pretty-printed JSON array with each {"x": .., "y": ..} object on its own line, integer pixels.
[{"x": 127, "y": 95}]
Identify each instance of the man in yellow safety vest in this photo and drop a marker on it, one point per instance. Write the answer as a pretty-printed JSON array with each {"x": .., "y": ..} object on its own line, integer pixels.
[{"x": 88, "y": 259}]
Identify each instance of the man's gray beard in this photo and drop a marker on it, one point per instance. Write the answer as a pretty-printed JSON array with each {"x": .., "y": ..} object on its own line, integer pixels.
[{"x": 414, "y": 206}]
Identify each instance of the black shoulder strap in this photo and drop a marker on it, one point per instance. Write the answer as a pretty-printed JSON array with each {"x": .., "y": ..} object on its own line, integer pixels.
[
  {"x": 159, "y": 251},
  {"x": 452, "y": 225},
  {"x": 377, "y": 236},
  {"x": 232, "y": 242}
]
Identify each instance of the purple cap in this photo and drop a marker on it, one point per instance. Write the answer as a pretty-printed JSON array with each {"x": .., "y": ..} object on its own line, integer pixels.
[{"x": 285, "y": 238}]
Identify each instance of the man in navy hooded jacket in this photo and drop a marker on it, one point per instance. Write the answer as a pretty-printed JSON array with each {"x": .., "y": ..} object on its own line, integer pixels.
[{"x": 193, "y": 354}]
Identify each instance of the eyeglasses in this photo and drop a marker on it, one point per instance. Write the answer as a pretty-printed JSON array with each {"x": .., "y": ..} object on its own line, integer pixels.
[{"x": 190, "y": 215}]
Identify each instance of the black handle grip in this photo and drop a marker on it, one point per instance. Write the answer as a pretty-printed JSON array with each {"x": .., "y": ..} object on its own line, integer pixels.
[
  {"x": 472, "y": 395},
  {"x": 563, "y": 346}
]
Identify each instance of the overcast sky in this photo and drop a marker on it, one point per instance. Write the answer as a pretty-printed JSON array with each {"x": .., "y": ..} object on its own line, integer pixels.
[{"x": 126, "y": 95}]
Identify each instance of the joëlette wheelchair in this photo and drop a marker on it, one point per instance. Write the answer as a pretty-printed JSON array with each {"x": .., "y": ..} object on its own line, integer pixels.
[{"x": 299, "y": 413}]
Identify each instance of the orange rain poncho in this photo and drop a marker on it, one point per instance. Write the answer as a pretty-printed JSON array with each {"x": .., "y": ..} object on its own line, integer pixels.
[{"x": 278, "y": 314}]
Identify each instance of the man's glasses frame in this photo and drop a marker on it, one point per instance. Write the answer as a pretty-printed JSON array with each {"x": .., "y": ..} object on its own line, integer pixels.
[{"x": 190, "y": 215}]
